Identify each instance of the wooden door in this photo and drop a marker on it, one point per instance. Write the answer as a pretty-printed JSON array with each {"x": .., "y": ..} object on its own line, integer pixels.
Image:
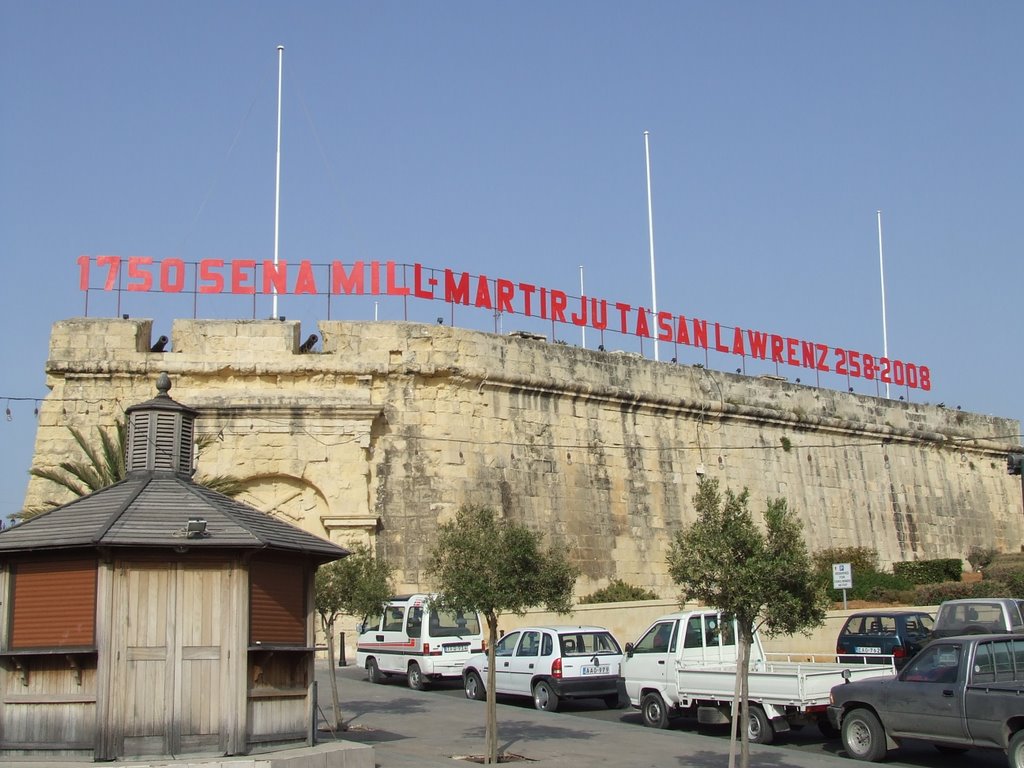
[{"x": 169, "y": 683}]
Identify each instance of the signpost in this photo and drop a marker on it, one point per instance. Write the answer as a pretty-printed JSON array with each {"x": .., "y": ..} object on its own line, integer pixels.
[{"x": 842, "y": 578}]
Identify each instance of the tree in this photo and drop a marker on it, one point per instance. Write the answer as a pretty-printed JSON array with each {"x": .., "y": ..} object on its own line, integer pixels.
[
  {"x": 492, "y": 565},
  {"x": 104, "y": 465},
  {"x": 358, "y": 585},
  {"x": 764, "y": 579}
]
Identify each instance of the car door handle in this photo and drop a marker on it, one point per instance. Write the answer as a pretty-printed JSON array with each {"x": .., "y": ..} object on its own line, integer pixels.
[
  {"x": 531, "y": 666},
  {"x": 505, "y": 664},
  {"x": 947, "y": 692},
  {"x": 661, "y": 661},
  {"x": 380, "y": 638}
]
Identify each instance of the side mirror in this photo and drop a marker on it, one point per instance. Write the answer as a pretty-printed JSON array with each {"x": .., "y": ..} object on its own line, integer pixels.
[
  {"x": 360, "y": 628},
  {"x": 629, "y": 649}
]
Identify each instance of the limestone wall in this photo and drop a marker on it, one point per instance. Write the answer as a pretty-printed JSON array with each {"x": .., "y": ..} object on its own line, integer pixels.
[{"x": 390, "y": 427}]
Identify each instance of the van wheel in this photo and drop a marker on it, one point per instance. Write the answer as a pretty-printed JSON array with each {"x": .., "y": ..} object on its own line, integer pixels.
[
  {"x": 863, "y": 736},
  {"x": 652, "y": 707},
  {"x": 759, "y": 727},
  {"x": 1015, "y": 752},
  {"x": 474, "y": 686},
  {"x": 415, "y": 677},
  {"x": 544, "y": 697},
  {"x": 373, "y": 673}
]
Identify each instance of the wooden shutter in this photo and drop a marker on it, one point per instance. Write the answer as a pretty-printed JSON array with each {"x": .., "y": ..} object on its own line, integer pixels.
[
  {"x": 277, "y": 603},
  {"x": 54, "y": 604}
]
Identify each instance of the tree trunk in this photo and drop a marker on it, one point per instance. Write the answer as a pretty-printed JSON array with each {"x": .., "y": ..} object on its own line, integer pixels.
[
  {"x": 491, "y": 732},
  {"x": 328, "y": 626},
  {"x": 743, "y": 669}
]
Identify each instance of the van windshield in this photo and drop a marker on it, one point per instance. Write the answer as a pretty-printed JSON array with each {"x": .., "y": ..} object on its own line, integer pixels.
[{"x": 448, "y": 624}]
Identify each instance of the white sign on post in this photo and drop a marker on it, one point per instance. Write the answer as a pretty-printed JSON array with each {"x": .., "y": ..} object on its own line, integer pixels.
[{"x": 842, "y": 576}]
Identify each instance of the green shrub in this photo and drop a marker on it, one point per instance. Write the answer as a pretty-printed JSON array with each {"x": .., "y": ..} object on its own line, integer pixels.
[
  {"x": 930, "y": 571},
  {"x": 1008, "y": 572},
  {"x": 618, "y": 592},
  {"x": 979, "y": 557},
  {"x": 861, "y": 560},
  {"x": 933, "y": 594},
  {"x": 872, "y": 585}
]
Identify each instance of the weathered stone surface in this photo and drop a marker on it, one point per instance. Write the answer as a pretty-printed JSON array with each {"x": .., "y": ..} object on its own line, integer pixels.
[{"x": 393, "y": 426}]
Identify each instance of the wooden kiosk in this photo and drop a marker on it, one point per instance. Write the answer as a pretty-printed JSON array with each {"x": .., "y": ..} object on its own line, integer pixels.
[{"x": 156, "y": 617}]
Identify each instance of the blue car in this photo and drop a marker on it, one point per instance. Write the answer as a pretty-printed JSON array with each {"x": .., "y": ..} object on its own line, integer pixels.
[{"x": 870, "y": 637}]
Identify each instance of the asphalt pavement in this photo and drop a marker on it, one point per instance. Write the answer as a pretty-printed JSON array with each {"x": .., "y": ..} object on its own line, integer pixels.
[{"x": 427, "y": 729}]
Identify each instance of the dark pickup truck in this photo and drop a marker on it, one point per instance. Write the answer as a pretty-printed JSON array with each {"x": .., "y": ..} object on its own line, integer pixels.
[{"x": 958, "y": 693}]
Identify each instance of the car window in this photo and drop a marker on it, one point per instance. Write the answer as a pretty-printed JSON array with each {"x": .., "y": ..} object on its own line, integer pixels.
[
  {"x": 372, "y": 623},
  {"x": 394, "y": 618},
  {"x": 694, "y": 635},
  {"x": 414, "y": 625},
  {"x": 453, "y": 623},
  {"x": 584, "y": 643},
  {"x": 854, "y": 625},
  {"x": 719, "y": 631},
  {"x": 529, "y": 645},
  {"x": 506, "y": 645},
  {"x": 546, "y": 645},
  {"x": 920, "y": 624},
  {"x": 935, "y": 664},
  {"x": 656, "y": 639}
]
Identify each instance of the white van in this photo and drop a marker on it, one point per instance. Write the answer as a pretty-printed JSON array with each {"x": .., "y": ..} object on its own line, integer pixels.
[{"x": 415, "y": 639}]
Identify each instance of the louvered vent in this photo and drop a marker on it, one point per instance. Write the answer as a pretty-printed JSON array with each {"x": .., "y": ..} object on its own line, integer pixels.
[{"x": 160, "y": 433}]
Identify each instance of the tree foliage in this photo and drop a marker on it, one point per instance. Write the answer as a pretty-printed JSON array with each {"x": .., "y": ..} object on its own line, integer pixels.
[
  {"x": 764, "y": 578},
  {"x": 492, "y": 565},
  {"x": 358, "y": 585}
]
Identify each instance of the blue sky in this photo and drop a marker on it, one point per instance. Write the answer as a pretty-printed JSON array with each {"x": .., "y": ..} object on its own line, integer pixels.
[{"x": 506, "y": 139}]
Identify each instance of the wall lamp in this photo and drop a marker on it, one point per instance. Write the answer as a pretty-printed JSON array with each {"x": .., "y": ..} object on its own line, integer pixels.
[{"x": 196, "y": 528}]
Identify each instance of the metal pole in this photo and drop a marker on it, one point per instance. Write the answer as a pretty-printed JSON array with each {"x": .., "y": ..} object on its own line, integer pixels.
[
  {"x": 881, "y": 271},
  {"x": 277, "y": 179},
  {"x": 583, "y": 328},
  {"x": 650, "y": 230}
]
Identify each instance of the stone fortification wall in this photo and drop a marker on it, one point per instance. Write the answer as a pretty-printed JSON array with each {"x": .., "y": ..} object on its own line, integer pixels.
[{"x": 388, "y": 428}]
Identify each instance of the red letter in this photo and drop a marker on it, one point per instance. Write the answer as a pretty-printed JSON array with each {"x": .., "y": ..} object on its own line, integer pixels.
[
  {"x": 807, "y": 354},
  {"x": 417, "y": 279},
  {"x": 664, "y": 326},
  {"x": 483, "y": 293},
  {"x": 822, "y": 353},
  {"x": 758, "y": 344},
  {"x": 600, "y": 319},
  {"x": 527, "y": 290},
  {"x": 558, "y": 302},
  {"x": 167, "y": 283},
  {"x": 737, "y": 342},
  {"x": 208, "y": 272},
  {"x": 83, "y": 273},
  {"x": 642, "y": 327},
  {"x": 719, "y": 346},
  {"x": 393, "y": 288},
  {"x": 275, "y": 277},
  {"x": 456, "y": 292},
  {"x": 682, "y": 335},
  {"x": 134, "y": 271},
  {"x": 347, "y": 284},
  {"x": 581, "y": 318},
  {"x": 777, "y": 349},
  {"x": 114, "y": 263},
  {"x": 305, "y": 282},
  {"x": 240, "y": 276},
  {"x": 506, "y": 290},
  {"x": 700, "y": 333},
  {"x": 623, "y": 309},
  {"x": 791, "y": 345}
]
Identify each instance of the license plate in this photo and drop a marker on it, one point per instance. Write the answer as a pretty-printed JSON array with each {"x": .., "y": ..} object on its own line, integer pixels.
[
  {"x": 602, "y": 670},
  {"x": 454, "y": 647},
  {"x": 867, "y": 649}
]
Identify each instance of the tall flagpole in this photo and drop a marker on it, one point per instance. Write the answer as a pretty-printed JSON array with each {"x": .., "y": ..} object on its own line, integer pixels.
[
  {"x": 881, "y": 271},
  {"x": 277, "y": 180},
  {"x": 650, "y": 230}
]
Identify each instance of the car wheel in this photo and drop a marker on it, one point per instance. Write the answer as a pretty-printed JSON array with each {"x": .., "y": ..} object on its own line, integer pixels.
[
  {"x": 863, "y": 736},
  {"x": 373, "y": 673},
  {"x": 1015, "y": 752},
  {"x": 759, "y": 727},
  {"x": 612, "y": 701},
  {"x": 653, "y": 709},
  {"x": 544, "y": 697},
  {"x": 474, "y": 686},
  {"x": 416, "y": 681}
]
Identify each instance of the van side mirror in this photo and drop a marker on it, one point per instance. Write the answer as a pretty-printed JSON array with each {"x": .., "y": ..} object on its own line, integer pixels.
[
  {"x": 629, "y": 649},
  {"x": 360, "y": 627}
]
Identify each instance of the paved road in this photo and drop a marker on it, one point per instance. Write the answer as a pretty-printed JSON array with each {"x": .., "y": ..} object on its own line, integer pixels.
[{"x": 412, "y": 728}]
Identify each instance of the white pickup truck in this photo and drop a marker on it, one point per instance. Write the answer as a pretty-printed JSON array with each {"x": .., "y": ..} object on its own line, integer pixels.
[{"x": 685, "y": 664}]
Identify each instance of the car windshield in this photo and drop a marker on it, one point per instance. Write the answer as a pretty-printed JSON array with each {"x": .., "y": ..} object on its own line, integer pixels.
[{"x": 588, "y": 643}]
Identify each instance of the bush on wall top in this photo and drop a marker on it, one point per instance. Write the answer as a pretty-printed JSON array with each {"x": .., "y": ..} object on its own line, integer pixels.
[{"x": 930, "y": 571}]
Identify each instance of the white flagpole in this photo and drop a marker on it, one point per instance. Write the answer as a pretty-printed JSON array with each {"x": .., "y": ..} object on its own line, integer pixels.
[
  {"x": 650, "y": 230},
  {"x": 583, "y": 328},
  {"x": 881, "y": 271},
  {"x": 277, "y": 179}
]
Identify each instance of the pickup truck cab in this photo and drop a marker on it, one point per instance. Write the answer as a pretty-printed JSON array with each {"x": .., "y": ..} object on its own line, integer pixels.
[
  {"x": 958, "y": 693},
  {"x": 979, "y": 616},
  {"x": 686, "y": 664}
]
